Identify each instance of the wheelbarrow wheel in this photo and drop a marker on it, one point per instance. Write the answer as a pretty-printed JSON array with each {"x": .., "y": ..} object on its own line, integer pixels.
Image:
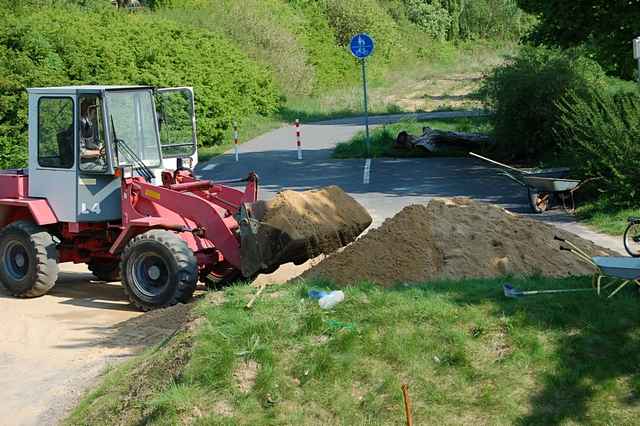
[
  {"x": 539, "y": 201},
  {"x": 632, "y": 239}
]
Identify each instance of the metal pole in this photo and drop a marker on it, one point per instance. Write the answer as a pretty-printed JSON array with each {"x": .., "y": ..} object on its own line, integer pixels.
[
  {"x": 636, "y": 53},
  {"x": 298, "y": 143},
  {"x": 235, "y": 140},
  {"x": 366, "y": 105}
]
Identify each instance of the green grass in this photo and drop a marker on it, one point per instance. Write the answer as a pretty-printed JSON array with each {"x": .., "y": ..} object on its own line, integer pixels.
[
  {"x": 383, "y": 138},
  {"x": 605, "y": 217},
  {"x": 467, "y": 353}
]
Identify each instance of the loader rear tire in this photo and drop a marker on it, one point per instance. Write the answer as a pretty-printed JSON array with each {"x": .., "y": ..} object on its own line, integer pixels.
[
  {"x": 158, "y": 270},
  {"x": 106, "y": 271},
  {"x": 28, "y": 259}
]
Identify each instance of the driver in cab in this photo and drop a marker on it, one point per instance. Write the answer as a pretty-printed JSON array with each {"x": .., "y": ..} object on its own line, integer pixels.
[{"x": 92, "y": 149}]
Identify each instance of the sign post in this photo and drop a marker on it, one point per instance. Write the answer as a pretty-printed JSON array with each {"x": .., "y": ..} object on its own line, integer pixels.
[
  {"x": 636, "y": 53},
  {"x": 362, "y": 46},
  {"x": 235, "y": 140}
]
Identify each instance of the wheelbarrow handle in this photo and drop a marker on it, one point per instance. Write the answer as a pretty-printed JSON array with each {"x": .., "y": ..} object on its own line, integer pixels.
[{"x": 555, "y": 237}]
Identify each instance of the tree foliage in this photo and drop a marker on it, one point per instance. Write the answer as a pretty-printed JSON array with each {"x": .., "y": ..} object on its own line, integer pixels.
[
  {"x": 524, "y": 93},
  {"x": 602, "y": 131},
  {"x": 102, "y": 46},
  {"x": 605, "y": 27},
  {"x": 469, "y": 19}
]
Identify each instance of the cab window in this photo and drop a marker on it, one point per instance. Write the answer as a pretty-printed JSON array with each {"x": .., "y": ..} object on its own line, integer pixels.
[
  {"x": 93, "y": 154},
  {"x": 55, "y": 132}
]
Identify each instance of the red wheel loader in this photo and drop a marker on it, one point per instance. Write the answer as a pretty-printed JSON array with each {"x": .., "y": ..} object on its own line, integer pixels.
[{"x": 95, "y": 192}]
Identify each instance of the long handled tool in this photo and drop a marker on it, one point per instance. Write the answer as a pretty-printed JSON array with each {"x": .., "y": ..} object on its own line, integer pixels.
[
  {"x": 576, "y": 251},
  {"x": 516, "y": 293}
]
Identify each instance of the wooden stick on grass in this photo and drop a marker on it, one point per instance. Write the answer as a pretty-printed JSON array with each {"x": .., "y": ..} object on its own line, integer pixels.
[
  {"x": 255, "y": 296},
  {"x": 407, "y": 404}
]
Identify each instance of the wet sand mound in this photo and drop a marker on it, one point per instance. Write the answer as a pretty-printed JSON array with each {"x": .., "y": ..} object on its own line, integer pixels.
[
  {"x": 453, "y": 239},
  {"x": 297, "y": 226}
]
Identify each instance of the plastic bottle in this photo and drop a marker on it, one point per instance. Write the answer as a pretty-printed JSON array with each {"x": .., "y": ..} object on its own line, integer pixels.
[
  {"x": 316, "y": 294},
  {"x": 331, "y": 299}
]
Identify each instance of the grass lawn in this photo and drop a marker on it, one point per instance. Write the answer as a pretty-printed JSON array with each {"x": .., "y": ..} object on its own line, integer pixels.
[
  {"x": 468, "y": 354},
  {"x": 604, "y": 217},
  {"x": 383, "y": 138}
]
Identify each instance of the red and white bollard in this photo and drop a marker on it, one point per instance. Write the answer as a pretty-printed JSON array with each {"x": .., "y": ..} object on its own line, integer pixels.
[
  {"x": 298, "y": 139},
  {"x": 235, "y": 139}
]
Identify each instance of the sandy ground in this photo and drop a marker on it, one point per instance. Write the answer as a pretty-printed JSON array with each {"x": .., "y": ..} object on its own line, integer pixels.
[{"x": 53, "y": 347}]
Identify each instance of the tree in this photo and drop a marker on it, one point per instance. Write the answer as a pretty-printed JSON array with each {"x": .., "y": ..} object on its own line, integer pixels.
[{"x": 606, "y": 28}]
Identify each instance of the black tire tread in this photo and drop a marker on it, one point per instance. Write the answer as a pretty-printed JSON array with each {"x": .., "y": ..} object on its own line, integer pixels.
[
  {"x": 624, "y": 240},
  {"x": 185, "y": 260},
  {"x": 46, "y": 258}
]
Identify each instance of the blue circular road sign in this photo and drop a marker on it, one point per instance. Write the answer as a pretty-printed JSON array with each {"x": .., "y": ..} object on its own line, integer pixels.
[{"x": 361, "y": 45}]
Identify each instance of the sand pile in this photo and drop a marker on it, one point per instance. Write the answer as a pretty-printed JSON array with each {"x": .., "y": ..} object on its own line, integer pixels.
[
  {"x": 451, "y": 239},
  {"x": 296, "y": 226}
]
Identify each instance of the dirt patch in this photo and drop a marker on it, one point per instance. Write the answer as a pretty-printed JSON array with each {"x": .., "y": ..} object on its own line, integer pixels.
[
  {"x": 453, "y": 91},
  {"x": 148, "y": 329},
  {"x": 297, "y": 226},
  {"x": 453, "y": 239},
  {"x": 223, "y": 408},
  {"x": 245, "y": 375}
]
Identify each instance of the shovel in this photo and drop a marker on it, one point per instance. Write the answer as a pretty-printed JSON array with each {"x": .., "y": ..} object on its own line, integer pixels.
[{"x": 514, "y": 293}]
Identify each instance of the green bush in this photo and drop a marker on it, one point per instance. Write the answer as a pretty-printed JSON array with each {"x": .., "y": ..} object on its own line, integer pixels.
[
  {"x": 602, "y": 131},
  {"x": 496, "y": 19},
  {"x": 431, "y": 18},
  {"x": 524, "y": 95},
  {"x": 73, "y": 45}
]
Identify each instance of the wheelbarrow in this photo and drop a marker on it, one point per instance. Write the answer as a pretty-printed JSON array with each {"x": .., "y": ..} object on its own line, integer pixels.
[
  {"x": 543, "y": 185},
  {"x": 611, "y": 270}
]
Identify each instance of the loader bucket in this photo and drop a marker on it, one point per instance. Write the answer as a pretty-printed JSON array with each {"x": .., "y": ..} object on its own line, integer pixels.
[{"x": 297, "y": 226}]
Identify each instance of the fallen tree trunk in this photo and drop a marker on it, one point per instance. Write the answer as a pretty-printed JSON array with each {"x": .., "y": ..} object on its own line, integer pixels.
[{"x": 437, "y": 140}]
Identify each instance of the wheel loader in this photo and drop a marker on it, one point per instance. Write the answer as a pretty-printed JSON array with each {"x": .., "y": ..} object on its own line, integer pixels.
[{"x": 96, "y": 192}]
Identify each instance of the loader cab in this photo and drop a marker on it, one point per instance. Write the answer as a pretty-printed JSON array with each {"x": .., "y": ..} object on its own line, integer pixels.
[{"x": 79, "y": 137}]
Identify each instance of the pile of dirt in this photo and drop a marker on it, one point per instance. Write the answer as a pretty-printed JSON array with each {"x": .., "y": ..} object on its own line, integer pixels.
[
  {"x": 297, "y": 226},
  {"x": 452, "y": 239}
]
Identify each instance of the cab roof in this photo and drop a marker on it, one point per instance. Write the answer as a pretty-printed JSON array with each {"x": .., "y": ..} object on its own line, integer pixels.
[{"x": 81, "y": 89}]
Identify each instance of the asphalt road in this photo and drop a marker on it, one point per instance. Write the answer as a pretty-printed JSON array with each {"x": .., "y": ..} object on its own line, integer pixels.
[{"x": 393, "y": 183}]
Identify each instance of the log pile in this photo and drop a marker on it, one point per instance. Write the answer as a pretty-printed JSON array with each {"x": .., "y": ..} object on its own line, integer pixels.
[{"x": 435, "y": 140}]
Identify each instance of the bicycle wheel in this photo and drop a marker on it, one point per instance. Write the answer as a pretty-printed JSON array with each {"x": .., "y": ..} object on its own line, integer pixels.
[{"x": 631, "y": 239}]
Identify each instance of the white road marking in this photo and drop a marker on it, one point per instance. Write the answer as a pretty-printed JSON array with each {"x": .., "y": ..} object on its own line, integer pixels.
[
  {"x": 367, "y": 172},
  {"x": 209, "y": 167}
]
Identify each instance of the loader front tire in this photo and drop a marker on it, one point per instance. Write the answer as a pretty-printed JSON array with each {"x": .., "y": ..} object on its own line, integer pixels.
[
  {"x": 158, "y": 270},
  {"x": 28, "y": 259}
]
